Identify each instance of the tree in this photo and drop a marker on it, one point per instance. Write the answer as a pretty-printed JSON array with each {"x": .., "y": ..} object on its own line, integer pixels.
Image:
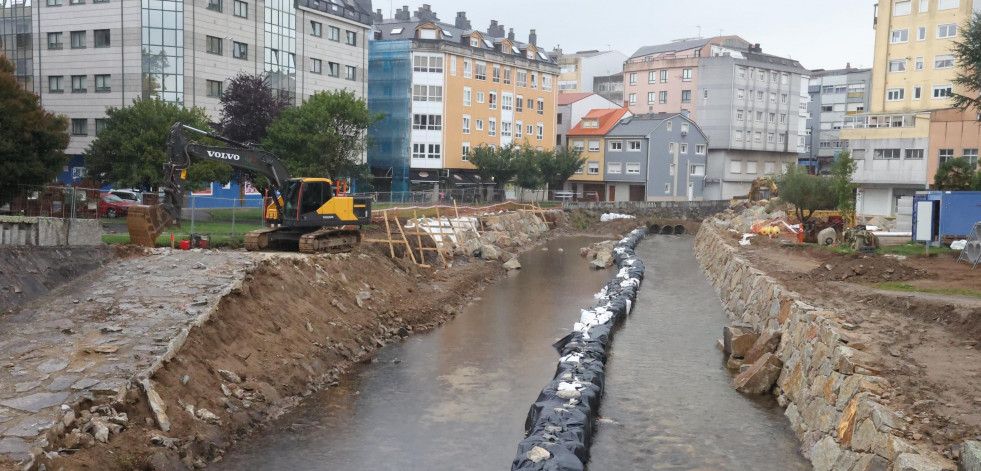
[
  {"x": 806, "y": 192},
  {"x": 528, "y": 168},
  {"x": 131, "y": 150},
  {"x": 32, "y": 140},
  {"x": 967, "y": 55},
  {"x": 841, "y": 181},
  {"x": 323, "y": 137},
  {"x": 560, "y": 164},
  {"x": 955, "y": 175},
  {"x": 495, "y": 164}
]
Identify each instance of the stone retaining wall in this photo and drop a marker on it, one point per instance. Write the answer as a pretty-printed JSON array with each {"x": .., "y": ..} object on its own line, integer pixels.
[
  {"x": 49, "y": 232},
  {"x": 696, "y": 210},
  {"x": 828, "y": 384}
]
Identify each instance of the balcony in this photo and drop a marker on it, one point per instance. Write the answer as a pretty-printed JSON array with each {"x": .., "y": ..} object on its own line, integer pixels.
[
  {"x": 856, "y": 94},
  {"x": 875, "y": 121}
]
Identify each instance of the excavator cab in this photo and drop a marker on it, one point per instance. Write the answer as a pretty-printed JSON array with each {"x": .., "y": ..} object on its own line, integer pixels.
[{"x": 305, "y": 196}]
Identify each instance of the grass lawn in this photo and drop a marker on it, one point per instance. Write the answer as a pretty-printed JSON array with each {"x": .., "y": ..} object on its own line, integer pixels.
[
  {"x": 898, "y": 286},
  {"x": 908, "y": 249}
]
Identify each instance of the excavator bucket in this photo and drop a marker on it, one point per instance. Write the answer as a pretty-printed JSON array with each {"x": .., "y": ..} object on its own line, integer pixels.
[{"x": 146, "y": 223}]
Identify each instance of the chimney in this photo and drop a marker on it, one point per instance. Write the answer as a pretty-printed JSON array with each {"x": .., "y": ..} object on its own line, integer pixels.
[
  {"x": 511, "y": 34},
  {"x": 495, "y": 30},
  {"x": 378, "y": 17},
  {"x": 848, "y": 65},
  {"x": 533, "y": 38},
  {"x": 755, "y": 48},
  {"x": 403, "y": 13},
  {"x": 425, "y": 13},
  {"x": 462, "y": 22}
]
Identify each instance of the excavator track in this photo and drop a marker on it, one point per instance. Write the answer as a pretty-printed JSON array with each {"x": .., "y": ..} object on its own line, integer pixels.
[
  {"x": 330, "y": 240},
  {"x": 258, "y": 239}
]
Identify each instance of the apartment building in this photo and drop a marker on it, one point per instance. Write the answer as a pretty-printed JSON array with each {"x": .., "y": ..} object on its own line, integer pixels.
[
  {"x": 81, "y": 56},
  {"x": 573, "y": 107},
  {"x": 588, "y": 136},
  {"x": 577, "y": 72},
  {"x": 895, "y": 143},
  {"x": 833, "y": 95},
  {"x": 748, "y": 103},
  {"x": 468, "y": 88}
]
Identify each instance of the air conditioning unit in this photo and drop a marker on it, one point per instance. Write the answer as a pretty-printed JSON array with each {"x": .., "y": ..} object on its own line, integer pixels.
[
  {"x": 684, "y": 133},
  {"x": 444, "y": 173}
]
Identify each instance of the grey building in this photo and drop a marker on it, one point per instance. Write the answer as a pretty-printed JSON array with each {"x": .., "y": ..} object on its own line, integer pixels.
[
  {"x": 749, "y": 103},
  {"x": 578, "y": 71},
  {"x": 81, "y": 56},
  {"x": 609, "y": 87},
  {"x": 656, "y": 157},
  {"x": 834, "y": 94}
]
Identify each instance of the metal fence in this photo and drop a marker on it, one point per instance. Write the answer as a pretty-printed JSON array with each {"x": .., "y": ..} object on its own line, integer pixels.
[
  {"x": 467, "y": 196},
  {"x": 55, "y": 201},
  {"x": 220, "y": 216}
]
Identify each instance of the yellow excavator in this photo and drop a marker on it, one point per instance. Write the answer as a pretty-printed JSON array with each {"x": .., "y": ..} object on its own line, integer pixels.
[{"x": 306, "y": 214}]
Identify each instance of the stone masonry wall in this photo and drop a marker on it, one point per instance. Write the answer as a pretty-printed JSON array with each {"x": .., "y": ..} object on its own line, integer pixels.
[{"x": 828, "y": 384}]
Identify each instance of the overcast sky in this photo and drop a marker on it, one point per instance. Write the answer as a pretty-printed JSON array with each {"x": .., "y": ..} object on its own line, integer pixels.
[{"x": 821, "y": 34}]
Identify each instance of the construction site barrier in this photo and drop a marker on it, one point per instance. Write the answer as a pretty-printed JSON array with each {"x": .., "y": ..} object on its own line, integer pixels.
[{"x": 559, "y": 427}]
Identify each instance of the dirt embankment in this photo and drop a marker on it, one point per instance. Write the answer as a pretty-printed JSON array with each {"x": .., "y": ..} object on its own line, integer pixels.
[
  {"x": 927, "y": 343},
  {"x": 295, "y": 325},
  {"x": 29, "y": 273}
]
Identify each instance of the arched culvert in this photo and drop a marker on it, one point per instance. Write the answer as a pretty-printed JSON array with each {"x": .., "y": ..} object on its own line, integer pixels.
[
  {"x": 655, "y": 229},
  {"x": 679, "y": 230},
  {"x": 667, "y": 230}
]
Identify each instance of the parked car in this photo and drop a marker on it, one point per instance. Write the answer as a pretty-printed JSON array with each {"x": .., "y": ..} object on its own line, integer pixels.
[
  {"x": 135, "y": 196},
  {"x": 111, "y": 206}
]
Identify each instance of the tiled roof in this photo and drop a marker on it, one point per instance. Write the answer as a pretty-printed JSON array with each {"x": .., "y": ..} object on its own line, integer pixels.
[
  {"x": 607, "y": 120},
  {"x": 392, "y": 28},
  {"x": 672, "y": 47},
  {"x": 570, "y": 98}
]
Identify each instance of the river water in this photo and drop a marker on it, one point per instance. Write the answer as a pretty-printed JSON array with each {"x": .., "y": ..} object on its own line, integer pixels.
[{"x": 456, "y": 398}]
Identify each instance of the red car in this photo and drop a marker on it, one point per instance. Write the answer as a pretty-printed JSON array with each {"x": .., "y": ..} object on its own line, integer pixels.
[{"x": 112, "y": 206}]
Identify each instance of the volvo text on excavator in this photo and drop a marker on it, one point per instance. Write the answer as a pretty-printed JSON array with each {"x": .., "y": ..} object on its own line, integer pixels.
[{"x": 306, "y": 214}]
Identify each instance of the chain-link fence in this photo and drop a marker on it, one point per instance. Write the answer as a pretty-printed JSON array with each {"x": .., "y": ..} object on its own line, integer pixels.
[
  {"x": 220, "y": 216},
  {"x": 464, "y": 196},
  {"x": 55, "y": 201}
]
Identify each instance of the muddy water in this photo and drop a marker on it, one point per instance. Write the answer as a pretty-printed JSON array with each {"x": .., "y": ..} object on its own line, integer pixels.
[
  {"x": 457, "y": 398},
  {"x": 668, "y": 404}
]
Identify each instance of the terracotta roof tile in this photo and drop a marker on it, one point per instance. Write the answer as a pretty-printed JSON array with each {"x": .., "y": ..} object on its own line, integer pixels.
[
  {"x": 570, "y": 98},
  {"x": 607, "y": 119}
]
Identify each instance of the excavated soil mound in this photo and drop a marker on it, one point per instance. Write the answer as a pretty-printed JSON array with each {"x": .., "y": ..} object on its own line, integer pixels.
[{"x": 861, "y": 269}]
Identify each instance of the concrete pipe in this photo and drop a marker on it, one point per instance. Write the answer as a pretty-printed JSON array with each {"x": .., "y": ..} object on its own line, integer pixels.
[
  {"x": 654, "y": 229},
  {"x": 973, "y": 250},
  {"x": 667, "y": 230},
  {"x": 680, "y": 230}
]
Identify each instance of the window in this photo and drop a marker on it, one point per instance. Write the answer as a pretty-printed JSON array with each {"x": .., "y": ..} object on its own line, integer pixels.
[
  {"x": 739, "y": 115},
  {"x": 479, "y": 124},
  {"x": 241, "y": 9},
  {"x": 686, "y": 96},
  {"x": 54, "y": 41},
  {"x": 506, "y": 129},
  {"x": 741, "y": 71},
  {"x": 784, "y": 98},
  {"x": 784, "y": 79},
  {"x": 427, "y": 33},
  {"x": 427, "y": 64},
  {"x": 924, "y": 6},
  {"x": 897, "y": 65},
  {"x": 518, "y": 129},
  {"x": 759, "y": 96},
  {"x": 633, "y": 79},
  {"x": 651, "y": 98},
  {"x": 943, "y": 61},
  {"x": 632, "y": 99},
  {"x": 351, "y": 38},
  {"x": 426, "y": 151},
  {"x": 740, "y": 94},
  {"x": 751, "y": 166},
  {"x": 758, "y": 137},
  {"x": 918, "y": 63},
  {"x": 942, "y": 91},
  {"x": 633, "y": 168},
  {"x": 540, "y": 131},
  {"x": 214, "y": 88},
  {"x": 662, "y": 97},
  {"x": 522, "y": 78},
  {"x": 78, "y": 84},
  {"x": 697, "y": 170},
  {"x": 945, "y": 154},
  {"x": 773, "y": 98},
  {"x": 614, "y": 168},
  {"x": 921, "y": 33},
  {"x": 917, "y": 154},
  {"x": 592, "y": 167},
  {"x": 705, "y": 93},
  {"x": 101, "y": 37},
  {"x": 760, "y": 75},
  {"x": 759, "y": 116},
  {"x": 467, "y": 94},
  {"x": 769, "y": 138},
  {"x": 769, "y": 167},
  {"x": 427, "y": 122},
  {"x": 534, "y": 81},
  {"x": 492, "y": 100},
  {"x": 594, "y": 145},
  {"x": 736, "y": 166},
  {"x": 350, "y": 72},
  {"x": 507, "y": 76},
  {"x": 480, "y": 71},
  {"x": 899, "y": 36},
  {"x": 530, "y": 129},
  {"x": 902, "y": 7},
  {"x": 886, "y": 154},
  {"x": 240, "y": 50},
  {"x": 467, "y": 68},
  {"x": 578, "y": 145},
  {"x": 895, "y": 94},
  {"x": 519, "y": 103},
  {"x": 948, "y": 4},
  {"x": 496, "y": 74},
  {"x": 771, "y": 118},
  {"x": 699, "y": 149},
  {"x": 333, "y": 69},
  {"x": 684, "y": 148},
  {"x": 616, "y": 146},
  {"x": 214, "y": 45},
  {"x": 782, "y": 138},
  {"x": 465, "y": 152},
  {"x": 54, "y": 3},
  {"x": 474, "y": 41},
  {"x": 316, "y": 66},
  {"x": 466, "y": 124},
  {"x": 103, "y": 83},
  {"x": 316, "y": 29},
  {"x": 633, "y": 146},
  {"x": 783, "y": 118},
  {"x": 827, "y": 108},
  {"x": 452, "y": 61},
  {"x": 80, "y": 127},
  {"x": 100, "y": 123},
  {"x": 56, "y": 84},
  {"x": 773, "y": 77},
  {"x": 686, "y": 75},
  {"x": 652, "y": 77},
  {"x": 480, "y": 97},
  {"x": 214, "y": 5},
  {"x": 684, "y": 128},
  {"x": 664, "y": 76},
  {"x": 739, "y": 135},
  {"x": 972, "y": 156},
  {"x": 917, "y": 92},
  {"x": 948, "y": 30},
  {"x": 333, "y": 33},
  {"x": 78, "y": 39},
  {"x": 507, "y": 104}
]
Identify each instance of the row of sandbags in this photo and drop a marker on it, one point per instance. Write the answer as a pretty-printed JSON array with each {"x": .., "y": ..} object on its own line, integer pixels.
[{"x": 559, "y": 427}]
